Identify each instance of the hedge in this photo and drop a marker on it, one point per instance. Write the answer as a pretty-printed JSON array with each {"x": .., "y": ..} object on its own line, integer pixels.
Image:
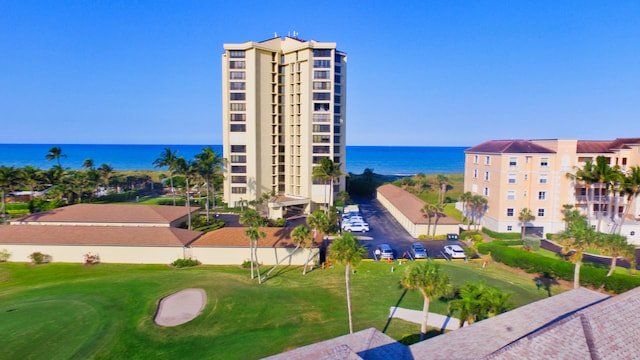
[
  {"x": 533, "y": 263},
  {"x": 500, "y": 235}
]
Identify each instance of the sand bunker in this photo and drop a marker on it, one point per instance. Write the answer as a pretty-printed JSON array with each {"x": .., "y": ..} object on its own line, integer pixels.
[{"x": 180, "y": 307}]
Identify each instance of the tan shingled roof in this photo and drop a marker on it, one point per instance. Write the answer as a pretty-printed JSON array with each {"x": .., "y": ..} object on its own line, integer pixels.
[
  {"x": 409, "y": 205},
  {"x": 95, "y": 235},
  {"x": 111, "y": 213},
  {"x": 235, "y": 236},
  {"x": 509, "y": 147}
]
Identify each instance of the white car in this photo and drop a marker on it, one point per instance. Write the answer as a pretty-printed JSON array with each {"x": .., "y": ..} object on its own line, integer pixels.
[
  {"x": 357, "y": 226},
  {"x": 455, "y": 251}
]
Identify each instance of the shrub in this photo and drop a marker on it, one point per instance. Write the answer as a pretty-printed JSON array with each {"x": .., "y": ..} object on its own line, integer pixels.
[
  {"x": 531, "y": 243},
  {"x": 180, "y": 263},
  {"x": 39, "y": 258},
  {"x": 422, "y": 236},
  {"x": 90, "y": 259},
  {"x": 4, "y": 255},
  {"x": 500, "y": 235}
]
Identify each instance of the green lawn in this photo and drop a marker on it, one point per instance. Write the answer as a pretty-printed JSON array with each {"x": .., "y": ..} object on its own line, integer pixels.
[{"x": 64, "y": 311}]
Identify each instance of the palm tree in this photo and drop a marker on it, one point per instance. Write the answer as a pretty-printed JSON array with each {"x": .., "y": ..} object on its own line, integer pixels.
[
  {"x": 614, "y": 245},
  {"x": 208, "y": 165},
  {"x": 186, "y": 168},
  {"x": 9, "y": 178},
  {"x": 55, "y": 153},
  {"x": 346, "y": 250},
  {"x": 31, "y": 177},
  {"x": 428, "y": 211},
  {"x": 254, "y": 234},
  {"x": 605, "y": 175},
  {"x": 431, "y": 282},
  {"x": 299, "y": 236},
  {"x": 319, "y": 222},
  {"x": 585, "y": 177},
  {"x": 88, "y": 164},
  {"x": 525, "y": 217},
  {"x": 438, "y": 213},
  {"x": 479, "y": 206},
  {"x": 478, "y": 302},
  {"x": 251, "y": 218},
  {"x": 443, "y": 183},
  {"x": 327, "y": 171},
  {"x": 576, "y": 238},
  {"x": 168, "y": 159},
  {"x": 631, "y": 187},
  {"x": 466, "y": 204}
]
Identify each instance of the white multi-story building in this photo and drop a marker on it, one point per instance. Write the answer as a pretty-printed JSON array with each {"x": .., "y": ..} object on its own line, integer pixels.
[
  {"x": 533, "y": 174},
  {"x": 283, "y": 110}
]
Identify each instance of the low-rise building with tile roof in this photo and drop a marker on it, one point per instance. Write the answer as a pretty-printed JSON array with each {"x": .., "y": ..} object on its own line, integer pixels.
[
  {"x": 406, "y": 208},
  {"x": 537, "y": 175}
]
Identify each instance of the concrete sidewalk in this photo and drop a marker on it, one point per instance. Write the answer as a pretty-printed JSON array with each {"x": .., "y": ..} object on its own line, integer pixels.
[{"x": 436, "y": 320}]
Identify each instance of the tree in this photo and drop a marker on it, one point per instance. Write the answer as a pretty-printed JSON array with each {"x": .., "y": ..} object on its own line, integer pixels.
[
  {"x": 438, "y": 213},
  {"x": 428, "y": 211},
  {"x": 299, "y": 236},
  {"x": 605, "y": 175},
  {"x": 525, "y": 217},
  {"x": 9, "y": 178},
  {"x": 319, "y": 222},
  {"x": 466, "y": 204},
  {"x": 345, "y": 250},
  {"x": 254, "y": 234},
  {"x": 631, "y": 187},
  {"x": 585, "y": 176},
  {"x": 614, "y": 245},
  {"x": 478, "y": 206},
  {"x": 55, "y": 153},
  {"x": 575, "y": 239},
  {"x": 168, "y": 159},
  {"x": 443, "y": 183},
  {"x": 431, "y": 282},
  {"x": 208, "y": 165},
  {"x": 31, "y": 177},
  {"x": 327, "y": 171},
  {"x": 186, "y": 168},
  {"x": 477, "y": 301},
  {"x": 251, "y": 218},
  {"x": 88, "y": 164}
]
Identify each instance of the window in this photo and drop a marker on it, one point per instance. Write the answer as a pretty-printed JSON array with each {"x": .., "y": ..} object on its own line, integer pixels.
[
  {"x": 236, "y": 85},
  {"x": 544, "y": 162},
  {"x": 322, "y": 64},
  {"x": 238, "y": 117},
  {"x": 316, "y": 160},
  {"x": 238, "y": 148},
  {"x": 238, "y": 107},
  {"x": 526, "y": 177},
  {"x": 512, "y": 178},
  {"x": 238, "y": 169},
  {"x": 513, "y": 161},
  {"x": 236, "y": 54},
  {"x": 337, "y": 89},
  {"x": 475, "y": 173},
  {"x": 321, "y": 106},
  {"x": 321, "y": 150},
  {"x": 632, "y": 233},
  {"x": 237, "y": 96},
  {"x": 510, "y": 211},
  {"x": 321, "y": 96},
  {"x": 322, "y": 53},
  {"x": 540, "y": 212},
  {"x": 321, "y": 117},
  {"x": 238, "y": 159},
  {"x": 524, "y": 193},
  {"x": 487, "y": 160},
  {"x": 236, "y": 75},
  {"x": 321, "y": 138},
  {"x": 511, "y": 195},
  {"x": 238, "y": 179},
  {"x": 321, "y": 85},
  {"x": 322, "y": 128},
  {"x": 321, "y": 74},
  {"x": 336, "y": 109},
  {"x": 486, "y": 191},
  {"x": 238, "y": 128},
  {"x": 238, "y": 190},
  {"x": 475, "y": 159},
  {"x": 486, "y": 175},
  {"x": 543, "y": 178},
  {"x": 236, "y": 64},
  {"x": 509, "y": 228},
  {"x": 542, "y": 195}
]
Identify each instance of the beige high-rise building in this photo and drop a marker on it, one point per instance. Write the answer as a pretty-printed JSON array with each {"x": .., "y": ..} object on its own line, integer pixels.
[
  {"x": 283, "y": 110},
  {"x": 517, "y": 174}
]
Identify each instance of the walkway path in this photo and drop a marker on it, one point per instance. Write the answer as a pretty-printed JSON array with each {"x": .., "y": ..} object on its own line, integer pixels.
[{"x": 436, "y": 320}]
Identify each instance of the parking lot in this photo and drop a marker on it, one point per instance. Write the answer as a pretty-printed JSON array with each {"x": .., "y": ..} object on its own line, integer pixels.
[{"x": 384, "y": 229}]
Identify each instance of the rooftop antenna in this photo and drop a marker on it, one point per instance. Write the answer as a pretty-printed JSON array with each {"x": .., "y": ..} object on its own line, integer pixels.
[{"x": 275, "y": 34}]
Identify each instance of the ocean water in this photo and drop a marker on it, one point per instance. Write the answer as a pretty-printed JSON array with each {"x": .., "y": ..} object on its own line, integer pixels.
[{"x": 386, "y": 160}]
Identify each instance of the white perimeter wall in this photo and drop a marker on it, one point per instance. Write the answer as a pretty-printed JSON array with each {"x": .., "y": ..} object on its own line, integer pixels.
[{"x": 238, "y": 255}]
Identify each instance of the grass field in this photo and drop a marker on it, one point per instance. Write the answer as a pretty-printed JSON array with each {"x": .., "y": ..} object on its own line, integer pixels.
[{"x": 69, "y": 311}]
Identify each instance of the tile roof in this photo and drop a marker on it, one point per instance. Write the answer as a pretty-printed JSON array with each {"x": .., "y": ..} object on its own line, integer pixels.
[
  {"x": 485, "y": 337},
  {"x": 409, "y": 205},
  {"x": 593, "y": 147},
  {"x": 623, "y": 143},
  {"x": 509, "y": 147},
  {"x": 110, "y": 213},
  {"x": 234, "y": 236},
  {"x": 95, "y": 235},
  {"x": 369, "y": 344}
]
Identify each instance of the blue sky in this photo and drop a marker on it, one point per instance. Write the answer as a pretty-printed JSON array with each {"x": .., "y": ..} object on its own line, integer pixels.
[{"x": 427, "y": 73}]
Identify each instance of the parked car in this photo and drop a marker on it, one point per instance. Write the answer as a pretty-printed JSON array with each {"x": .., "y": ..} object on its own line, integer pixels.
[
  {"x": 384, "y": 251},
  {"x": 455, "y": 251},
  {"x": 357, "y": 226},
  {"x": 418, "y": 251},
  {"x": 452, "y": 237}
]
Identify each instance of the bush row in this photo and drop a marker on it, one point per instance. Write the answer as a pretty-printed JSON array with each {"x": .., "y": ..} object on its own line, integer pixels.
[
  {"x": 533, "y": 263},
  {"x": 501, "y": 235}
]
